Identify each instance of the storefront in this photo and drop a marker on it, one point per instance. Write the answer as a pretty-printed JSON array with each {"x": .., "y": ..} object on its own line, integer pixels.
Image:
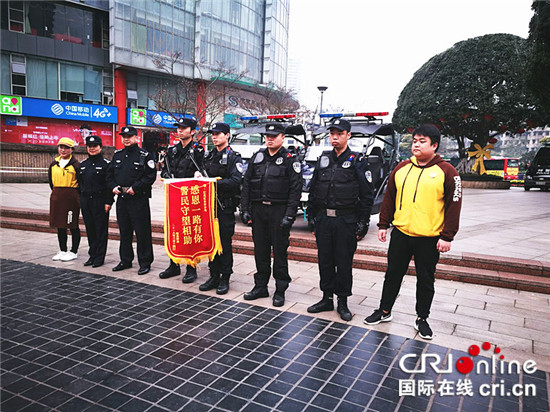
[
  {"x": 32, "y": 121},
  {"x": 156, "y": 129}
]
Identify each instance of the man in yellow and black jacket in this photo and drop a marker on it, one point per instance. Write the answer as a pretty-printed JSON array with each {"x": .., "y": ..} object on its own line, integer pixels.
[{"x": 422, "y": 202}]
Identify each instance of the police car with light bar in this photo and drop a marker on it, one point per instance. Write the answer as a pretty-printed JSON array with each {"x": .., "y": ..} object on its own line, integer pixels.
[
  {"x": 375, "y": 139},
  {"x": 250, "y": 138}
]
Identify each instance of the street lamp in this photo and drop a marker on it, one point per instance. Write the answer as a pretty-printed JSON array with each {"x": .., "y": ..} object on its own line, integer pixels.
[{"x": 322, "y": 90}]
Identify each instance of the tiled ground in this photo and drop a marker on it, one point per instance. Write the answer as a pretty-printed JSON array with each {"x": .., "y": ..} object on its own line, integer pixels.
[{"x": 74, "y": 341}]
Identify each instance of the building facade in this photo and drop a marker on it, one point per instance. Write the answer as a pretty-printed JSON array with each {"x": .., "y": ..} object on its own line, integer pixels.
[{"x": 66, "y": 64}]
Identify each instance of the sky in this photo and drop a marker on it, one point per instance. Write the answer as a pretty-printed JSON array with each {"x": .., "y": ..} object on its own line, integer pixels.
[{"x": 366, "y": 51}]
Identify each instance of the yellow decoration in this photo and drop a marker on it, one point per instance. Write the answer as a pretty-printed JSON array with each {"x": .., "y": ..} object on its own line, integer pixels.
[{"x": 479, "y": 154}]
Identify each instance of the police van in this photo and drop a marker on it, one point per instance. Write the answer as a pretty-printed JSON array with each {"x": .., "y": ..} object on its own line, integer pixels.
[{"x": 370, "y": 136}]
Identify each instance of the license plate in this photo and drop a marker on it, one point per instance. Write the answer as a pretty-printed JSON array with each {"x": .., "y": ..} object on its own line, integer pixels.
[{"x": 539, "y": 183}]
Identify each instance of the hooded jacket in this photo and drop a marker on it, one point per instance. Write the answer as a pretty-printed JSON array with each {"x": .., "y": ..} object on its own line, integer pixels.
[
  {"x": 423, "y": 201},
  {"x": 68, "y": 176}
]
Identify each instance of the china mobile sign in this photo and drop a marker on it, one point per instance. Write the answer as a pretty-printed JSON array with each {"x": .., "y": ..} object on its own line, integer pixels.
[
  {"x": 53, "y": 109},
  {"x": 465, "y": 365}
]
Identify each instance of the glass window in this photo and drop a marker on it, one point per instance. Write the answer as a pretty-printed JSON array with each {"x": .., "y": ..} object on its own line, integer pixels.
[
  {"x": 59, "y": 23},
  {"x": 75, "y": 22},
  {"x": 139, "y": 38},
  {"x": 16, "y": 16},
  {"x": 5, "y": 73},
  {"x": 42, "y": 79},
  {"x": 72, "y": 78},
  {"x": 92, "y": 85}
]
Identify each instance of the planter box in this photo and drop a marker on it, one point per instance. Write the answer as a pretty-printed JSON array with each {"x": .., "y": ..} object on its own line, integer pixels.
[{"x": 476, "y": 184}]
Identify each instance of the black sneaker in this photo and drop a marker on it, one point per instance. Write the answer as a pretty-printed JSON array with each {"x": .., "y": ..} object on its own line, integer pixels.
[
  {"x": 424, "y": 330},
  {"x": 378, "y": 316}
]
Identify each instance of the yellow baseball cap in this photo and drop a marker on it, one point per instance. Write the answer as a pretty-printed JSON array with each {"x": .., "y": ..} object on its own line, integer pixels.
[{"x": 65, "y": 141}]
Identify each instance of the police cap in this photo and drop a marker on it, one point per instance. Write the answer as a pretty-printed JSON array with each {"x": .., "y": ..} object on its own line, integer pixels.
[
  {"x": 273, "y": 129},
  {"x": 186, "y": 122},
  {"x": 219, "y": 127},
  {"x": 93, "y": 140},
  {"x": 128, "y": 131},
  {"x": 340, "y": 124}
]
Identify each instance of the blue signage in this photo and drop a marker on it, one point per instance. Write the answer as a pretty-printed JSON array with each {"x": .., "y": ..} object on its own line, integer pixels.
[
  {"x": 54, "y": 109},
  {"x": 152, "y": 118}
]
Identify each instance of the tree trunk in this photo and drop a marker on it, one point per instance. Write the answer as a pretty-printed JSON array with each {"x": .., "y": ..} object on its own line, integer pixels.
[{"x": 465, "y": 165}]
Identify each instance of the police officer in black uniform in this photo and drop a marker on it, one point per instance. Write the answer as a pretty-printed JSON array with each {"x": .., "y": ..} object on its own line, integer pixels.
[
  {"x": 223, "y": 162},
  {"x": 270, "y": 196},
  {"x": 95, "y": 201},
  {"x": 339, "y": 206},
  {"x": 130, "y": 175},
  {"x": 179, "y": 163}
]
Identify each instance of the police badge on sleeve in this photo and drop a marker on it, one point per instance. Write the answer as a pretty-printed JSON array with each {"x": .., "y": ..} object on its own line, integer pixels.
[{"x": 297, "y": 167}]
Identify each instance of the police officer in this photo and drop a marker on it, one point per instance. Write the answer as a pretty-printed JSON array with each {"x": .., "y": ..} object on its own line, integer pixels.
[
  {"x": 339, "y": 206},
  {"x": 224, "y": 163},
  {"x": 271, "y": 192},
  {"x": 130, "y": 175},
  {"x": 179, "y": 163},
  {"x": 95, "y": 201}
]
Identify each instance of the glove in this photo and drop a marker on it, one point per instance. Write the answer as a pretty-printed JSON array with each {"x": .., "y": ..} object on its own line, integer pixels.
[
  {"x": 361, "y": 229},
  {"x": 245, "y": 217},
  {"x": 311, "y": 225},
  {"x": 286, "y": 222}
]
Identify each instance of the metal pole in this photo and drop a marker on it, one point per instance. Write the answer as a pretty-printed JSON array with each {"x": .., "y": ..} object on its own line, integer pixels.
[{"x": 322, "y": 89}]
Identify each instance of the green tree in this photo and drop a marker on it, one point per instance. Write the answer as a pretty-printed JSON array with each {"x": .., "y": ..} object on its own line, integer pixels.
[
  {"x": 475, "y": 90},
  {"x": 538, "y": 61}
]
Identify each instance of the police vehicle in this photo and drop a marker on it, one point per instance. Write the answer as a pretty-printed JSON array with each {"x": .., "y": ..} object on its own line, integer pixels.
[
  {"x": 250, "y": 138},
  {"x": 376, "y": 140},
  {"x": 538, "y": 174}
]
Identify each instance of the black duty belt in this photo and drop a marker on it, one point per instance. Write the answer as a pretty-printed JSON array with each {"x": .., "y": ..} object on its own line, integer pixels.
[{"x": 337, "y": 212}]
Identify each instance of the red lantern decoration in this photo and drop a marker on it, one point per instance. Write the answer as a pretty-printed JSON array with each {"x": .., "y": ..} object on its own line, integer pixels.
[
  {"x": 492, "y": 140},
  {"x": 488, "y": 117},
  {"x": 410, "y": 129},
  {"x": 465, "y": 115}
]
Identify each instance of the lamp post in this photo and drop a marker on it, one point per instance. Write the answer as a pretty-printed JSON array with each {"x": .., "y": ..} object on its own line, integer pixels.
[{"x": 322, "y": 89}]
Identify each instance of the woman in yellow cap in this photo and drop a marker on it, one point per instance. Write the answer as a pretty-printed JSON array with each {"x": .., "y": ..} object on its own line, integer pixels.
[{"x": 63, "y": 176}]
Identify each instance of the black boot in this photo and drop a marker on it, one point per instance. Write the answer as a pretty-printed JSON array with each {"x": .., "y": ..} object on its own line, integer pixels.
[
  {"x": 223, "y": 287},
  {"x": 190, "y": 275},
  {"x": 211, "y": 283},
  {"x": 324, "y": 305},
  {"x": 342, "y": 308},
  {"x": 256, "y": 293},
  {"x": 171, "y": 271}
]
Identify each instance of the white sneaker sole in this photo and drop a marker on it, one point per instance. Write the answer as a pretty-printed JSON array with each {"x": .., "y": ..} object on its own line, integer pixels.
[
  {"x": 427, "y": 337},
  {"x": 381, "y": 320}
]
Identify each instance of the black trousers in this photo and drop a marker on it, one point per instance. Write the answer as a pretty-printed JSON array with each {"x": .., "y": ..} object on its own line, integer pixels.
[
  {"x": 223, "y": 264},
  {"x": 400, "y": 252},
  {"x": 336, "y": 245},
  {"x": 62, "y": 239},
  {"x": 134, "y": 215},
  {"x": 97, "y": 226},
  {"x": 267, "y": 233}
]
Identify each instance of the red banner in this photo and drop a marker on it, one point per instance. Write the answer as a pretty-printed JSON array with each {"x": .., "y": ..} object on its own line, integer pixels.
[
  {"x": 191, "y": 229},
  {"x": 32, "y": 130}
]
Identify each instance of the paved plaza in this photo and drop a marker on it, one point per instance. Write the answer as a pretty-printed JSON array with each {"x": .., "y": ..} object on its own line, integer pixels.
[{"x": 76, "y": 338}]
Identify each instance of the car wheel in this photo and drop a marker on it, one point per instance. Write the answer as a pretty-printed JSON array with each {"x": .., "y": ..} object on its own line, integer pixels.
[{"x": 526, "y": 188}]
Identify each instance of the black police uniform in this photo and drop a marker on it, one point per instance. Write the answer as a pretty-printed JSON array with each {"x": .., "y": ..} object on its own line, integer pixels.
[
  {"x": 339, "y": 206},
  {"x": 226, "y": 164},
  {"x": 271, "y": 191},
  {"x": 133, "y": 167},
  {"x": 178, "y": 164},
  {"x": 94, "y": 196}
]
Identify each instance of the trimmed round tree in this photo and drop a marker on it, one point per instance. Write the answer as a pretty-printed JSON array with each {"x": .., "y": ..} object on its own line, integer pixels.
[{"x": 475, "y": 90}]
